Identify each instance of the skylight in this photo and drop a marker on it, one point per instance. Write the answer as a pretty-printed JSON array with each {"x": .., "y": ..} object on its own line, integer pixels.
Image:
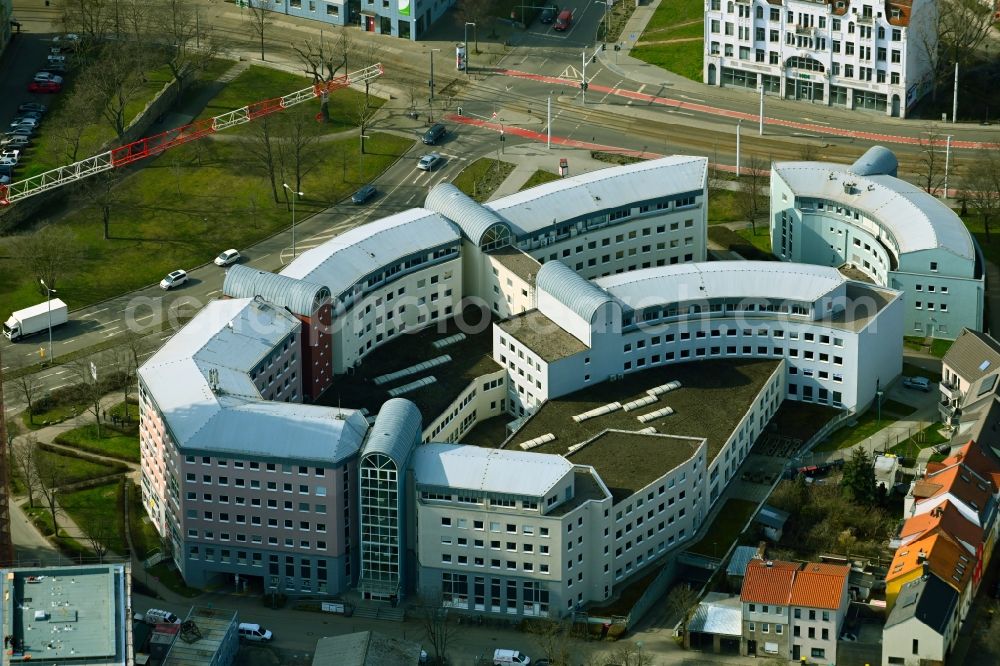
[{"x": 984, "y": 365}]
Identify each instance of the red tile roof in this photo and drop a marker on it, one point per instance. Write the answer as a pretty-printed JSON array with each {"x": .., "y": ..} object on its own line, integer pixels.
[
  {"x": 944, "y": 517},
  {"x": 819, "y": 586},
  {"x": 943, "y": 556},
  {"x": 768, "y": 582}
]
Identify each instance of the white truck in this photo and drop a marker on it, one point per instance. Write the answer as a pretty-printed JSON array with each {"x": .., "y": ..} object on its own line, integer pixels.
[{"x": 35, "y": 319}]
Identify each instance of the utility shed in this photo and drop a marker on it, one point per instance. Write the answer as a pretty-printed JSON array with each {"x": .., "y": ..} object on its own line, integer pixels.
[{"x": 365, "y": 648}]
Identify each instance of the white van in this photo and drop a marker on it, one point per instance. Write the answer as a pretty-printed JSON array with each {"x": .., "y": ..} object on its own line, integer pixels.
[
  {"x": 254, "y": 632},
  {"x": 156, "y": 616},
  {"x": 513, "y": 657}
]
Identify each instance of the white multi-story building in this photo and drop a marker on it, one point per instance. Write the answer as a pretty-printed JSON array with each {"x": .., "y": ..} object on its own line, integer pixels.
[
  {"x": 408, "y": 19},
  {"x": 862, "y": 217},
  {"x": 834, "y": 334},
  {"x": 858, "y": 54}
]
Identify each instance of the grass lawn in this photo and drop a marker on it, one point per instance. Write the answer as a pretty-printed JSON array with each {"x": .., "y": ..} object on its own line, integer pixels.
[
  {"x": 868, "y": 424},
  {"x": 927, "y": 437},
  {"x": 940, "y": 347},
  {"x": 112, "y": 441},
  {"x": 145, "y": 540},
  {"x": 57, "y": 414},
  {"x": 258, "y": 83},
  {"x": 98, "y": 505},
  {"x": 540, "y": 177},
  {"x": 669, "y": 14},
  {"x": 991, "y": 247},
  {"x": 728, "y": 524},
  {"x": 722, "y": 207},
  {"x": 916, "y": 343},
  {"x": 74, "y": 469},
  {"x": 481, "y": 178},
  {"x": 684, "y": 58},
  {"x": 761, "y": 240},
  {"x": 166, "y": 573},
  {"x": 184, "y": 207}
]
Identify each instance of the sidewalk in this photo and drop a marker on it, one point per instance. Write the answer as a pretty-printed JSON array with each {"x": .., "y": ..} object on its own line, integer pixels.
[{"x": 530, "y": 157}]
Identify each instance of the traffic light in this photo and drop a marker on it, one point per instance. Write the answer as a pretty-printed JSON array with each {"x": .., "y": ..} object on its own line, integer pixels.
[
  {"x": 593, "y": 58},
  {"x": 604, "y": 47},
  {"x": 584, "y": 85},
  {"x": 618, "y": 47}
]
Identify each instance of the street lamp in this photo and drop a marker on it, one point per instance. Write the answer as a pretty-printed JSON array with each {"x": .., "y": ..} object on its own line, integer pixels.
[
  {"x": 739, "y": 125},
  {"x": 607, "y": 4},
  {"x": 431, "y": 81},
  {"x": 295, "y": 194},
  {"x": 475, "y": 32},
  {"x": 49, "y": 301}
]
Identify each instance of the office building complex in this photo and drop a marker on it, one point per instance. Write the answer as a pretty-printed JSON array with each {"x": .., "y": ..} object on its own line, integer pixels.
[
  {"x": 855, "y": 54},
  {"x": 408, "y": 19},
  {"x": 866, "y": 221}
]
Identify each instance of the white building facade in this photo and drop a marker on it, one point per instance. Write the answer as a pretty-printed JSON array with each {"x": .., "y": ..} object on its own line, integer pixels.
[
  {"x": 861, "y": 216},
  {"x": 856, "y": 54}
]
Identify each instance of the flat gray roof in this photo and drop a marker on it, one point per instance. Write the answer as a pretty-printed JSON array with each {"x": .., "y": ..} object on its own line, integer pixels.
[
  {"x": 542, "y": 336},
  {"x": 714, "y": 396},
  {"x": 66, "y": 614},
  {"x": 518, "y": 262}
]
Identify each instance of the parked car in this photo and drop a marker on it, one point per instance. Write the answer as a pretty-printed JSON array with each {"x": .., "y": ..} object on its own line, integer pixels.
[
  {"x": 174, "y": 279},
  {"x": 504, "y": 657},
  {"x": 44, "y": 87},
  {"x": 29, "y": 114},
  {"x": 4, "y": 179},
  {"x": 68, "y": 41},
  {"x": 254, "y": 632},
  {"x": 157, "y": 616},
  {"x": 21, "y": 130},
  {"x": 15, "y": 141},
  {"x": 228, "y": 257},
  {"x": 429, "y": 162},
  {"x": 917, "y": 383},
  {"x": 11, "y": 153},
  {"x": 364, "y": 193},
  {"x": 435, "y": 134},
  {"x": 564, "y": 20},
  {"x": 46, "y": 77},
  {"x": 56, "y": 60},
  {"x": 549, "y": 14},
  {"x": 8, "y": 162},
  {"x": 32, "y": 106},
  {"x": 58, "y": 70},
  {"x": 24, "y": 122}
]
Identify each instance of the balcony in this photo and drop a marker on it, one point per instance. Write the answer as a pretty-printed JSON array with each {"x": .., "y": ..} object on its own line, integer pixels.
[
  {"x": 805, "y": 30},
  {"x": 950, "y": 391},
  {"x": 866, "y": 20}
]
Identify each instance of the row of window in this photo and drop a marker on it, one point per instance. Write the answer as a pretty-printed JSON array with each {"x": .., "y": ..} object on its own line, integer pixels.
[
  {"x": 806, "y": 20},
  {"x": 302, "y": 507},
  {"x": 239, "y": 537},
  {"x": 303, "y": 489},
  {"x": 509, "y": 528},
  {"x": 270, "y": 467}
]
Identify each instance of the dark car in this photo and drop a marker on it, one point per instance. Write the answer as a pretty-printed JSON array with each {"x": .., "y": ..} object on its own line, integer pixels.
[
  {"x": 33, "y": 106},
  {"x": 549, "y": 14},
  {"x": 434, "y": 134},
  {"x": 364, "y": 193}
]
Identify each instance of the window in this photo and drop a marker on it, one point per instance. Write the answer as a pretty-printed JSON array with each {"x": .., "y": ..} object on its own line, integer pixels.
[{"x": 818, "y": 653}]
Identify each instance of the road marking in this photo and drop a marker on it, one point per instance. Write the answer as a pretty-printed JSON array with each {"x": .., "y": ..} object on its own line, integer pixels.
[
  {"x": 166, "y": 337},
  {"x": 693, "y": 99},
  {"x": 811, "y": 120},
  {"x": 642, "y": 87},
  {"x": 58, "y": 387},
  {"x": 91, "y": 314},
  {"x": 683, "y": 113},
  {"x": 144, "y": 317},
  {"x": 263, "y": 257},
  {"x": 215, "y": 291},
  {"x": 571, "y": 72},
  {"x": 112, "y": 332}
]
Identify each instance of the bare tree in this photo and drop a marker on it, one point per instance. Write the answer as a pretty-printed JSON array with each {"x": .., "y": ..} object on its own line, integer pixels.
[
  {"x": 98, "y": 531},
  {"x": 439, "y": 631},
  {"x": 981, "y": 181},
  {"x": 189, "y": 45},
  {"x": 134, "y": 21},
  {"x": 480, "y": 12},
  {"x": 45, "y": 254},
  {"x": 116, "y": 78},
  {"x": 751, "y": 198},
  {"x": 555, "y": 640},
  {"x": 262, "y": 151},
  {"x": 808, "y": 152},
  {"x": 931, "y": 161},
  {"x": 103, "y": 193},
  {"x": 73, "y": 119},
  {"x": 259, "y": 17},
  {"x": 953, "y": 31},
  {"x": 627, "y": 655},
  {"x": 680, "y": 602},
  {"x": 93, "y": 20},
  {"x": 28, "y": 387},
  {"x": 299, "y": 151},
  {"x": 51, "y": 476},
  {"x": 90, "y": 386},
  {"x": 23, "y": 457},
  {"x": 322, "y": 60}
]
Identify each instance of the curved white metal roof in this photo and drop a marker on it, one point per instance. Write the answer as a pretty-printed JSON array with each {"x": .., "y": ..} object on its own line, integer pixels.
[
  {"x": 343, "y": 260},
  {"x": 575, "y": 292},
  {"x": 395, "y": 432},
  {"x": 722, "y": 279},
  {"x": 917, "y": 220},
  {"x": 473, "y": 218},
  {"x": 299, "y": 296},
  {"x": 477, "y": 468},
  {"x": 231, "y": 336},
  {"x": 568, "y": 198}
]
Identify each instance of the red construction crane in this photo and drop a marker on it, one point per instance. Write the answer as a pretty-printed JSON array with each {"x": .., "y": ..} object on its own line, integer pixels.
[{"x": 158, "y": 143}]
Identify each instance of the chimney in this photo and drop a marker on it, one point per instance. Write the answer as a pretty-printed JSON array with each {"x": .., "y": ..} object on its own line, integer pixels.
[
  {"x": 761, "y": 549},
  {"x": 926, "y": 569},
  {"x": 922, "y": 557},
  {"x": 769, "y": 563}
]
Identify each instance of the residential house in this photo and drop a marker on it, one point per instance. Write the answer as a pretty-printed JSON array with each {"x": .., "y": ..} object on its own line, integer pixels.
[
  {"x": 969, "y": 372},
  {"x": 922, "y": 626}
]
